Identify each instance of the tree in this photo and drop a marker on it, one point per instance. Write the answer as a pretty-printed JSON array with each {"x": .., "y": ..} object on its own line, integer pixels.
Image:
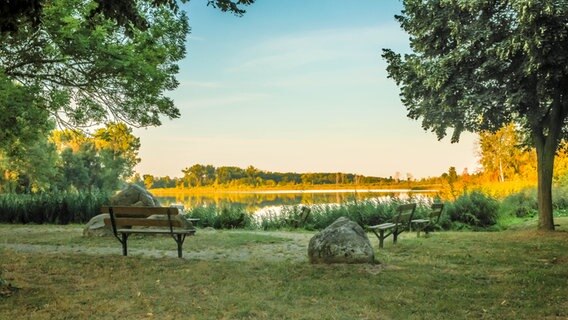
[
  {"x": 148, "y": 181},
  {"x": 478, "y": 65},
  {"x": 89, "y": 70},
  {"x": 22, "y": 120},
  {"x": 194, "y": 176},
  {"x": 451, "y": 177},
  {"x": 33, "y": 170},
  {"x": 501, "y": 154},
  {"x": 124, "y": 13},
  {"x": 100, "y": 161},
  {"x": 117, "y": 140}
]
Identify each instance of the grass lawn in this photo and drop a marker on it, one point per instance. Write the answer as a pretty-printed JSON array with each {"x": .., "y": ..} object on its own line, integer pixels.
[{"x": 518, "y": 274}]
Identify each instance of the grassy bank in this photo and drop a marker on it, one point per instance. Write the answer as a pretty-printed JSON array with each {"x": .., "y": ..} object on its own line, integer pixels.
[{"x": 521, "y": 274}]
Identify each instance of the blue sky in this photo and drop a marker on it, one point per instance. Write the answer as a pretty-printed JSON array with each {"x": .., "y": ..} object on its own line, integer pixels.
[{"x": 299, "y": 86}]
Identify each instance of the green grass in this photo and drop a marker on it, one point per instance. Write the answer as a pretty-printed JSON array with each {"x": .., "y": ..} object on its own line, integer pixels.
[
  {"x": 514, "y": 274},
  {"x": 71, "y": 236}
]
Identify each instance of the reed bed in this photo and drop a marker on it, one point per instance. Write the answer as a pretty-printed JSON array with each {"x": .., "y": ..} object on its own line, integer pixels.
[{"x": 53, "y": 208}]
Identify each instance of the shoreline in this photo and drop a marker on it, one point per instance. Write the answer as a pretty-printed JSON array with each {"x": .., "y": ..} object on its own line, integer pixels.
[
  {"x": 334, "y": 191},
  {"x": 289, "y": 191}
]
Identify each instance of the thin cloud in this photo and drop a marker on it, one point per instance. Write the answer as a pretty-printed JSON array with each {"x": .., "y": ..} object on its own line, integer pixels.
[
  {"x": 297, "y": 50},
  {"x": 225, "y": 100},
  {"x": 200, "y": 84}
]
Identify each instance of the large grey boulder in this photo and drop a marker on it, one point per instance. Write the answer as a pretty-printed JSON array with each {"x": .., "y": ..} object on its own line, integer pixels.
[
  {"x": 185, "y": 224},
  {"x": 344, "y": 241},
  {"x": 134, "y": 195},
  {"x": 96, "y": 227}
]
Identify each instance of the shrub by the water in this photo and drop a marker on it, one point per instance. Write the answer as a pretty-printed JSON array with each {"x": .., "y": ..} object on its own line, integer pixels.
[
  {"x": 365, "y": 213},
  {"x": 473, "y": 209},
  {"x": 226, "y": 217},
  {"x": 57, "y": 207}
]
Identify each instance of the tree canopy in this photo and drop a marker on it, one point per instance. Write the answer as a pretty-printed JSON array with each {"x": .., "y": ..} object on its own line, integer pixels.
[
  {"x": 480, "y": 65},
  {"x": 87, "y": 74},
  {"x": 71, "y": 160},
  {"x": 86, "y": 63},
  {"x": 125, "y": 13}
]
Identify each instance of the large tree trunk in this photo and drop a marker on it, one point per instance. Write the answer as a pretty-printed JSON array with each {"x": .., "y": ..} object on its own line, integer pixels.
[
  {"x": 546, "y": 136},
  {"x": 545, "y": 165}
]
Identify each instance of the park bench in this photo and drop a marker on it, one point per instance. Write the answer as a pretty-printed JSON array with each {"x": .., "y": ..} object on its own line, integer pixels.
[
  {"x": 433, "y": 218},
  {"x": 123, "y": 221},
  {"x": 299, "y": 219},
  {"x": 400, "y": 223}
]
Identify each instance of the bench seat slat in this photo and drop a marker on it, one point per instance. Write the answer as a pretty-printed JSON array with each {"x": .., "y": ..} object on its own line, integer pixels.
[
  {"x": 382, "y": 226},
  {"x": 420, "y": 220},
  {"x": 157, "y": 231},
  {"x": 142, "y": 222}
]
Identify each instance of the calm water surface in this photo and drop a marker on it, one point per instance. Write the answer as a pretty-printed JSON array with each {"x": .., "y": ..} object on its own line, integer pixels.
[{"x": 259, "y": 201}]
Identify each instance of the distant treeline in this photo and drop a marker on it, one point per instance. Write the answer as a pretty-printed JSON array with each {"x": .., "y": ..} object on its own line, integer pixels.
[{"x": 207, "y": 175}]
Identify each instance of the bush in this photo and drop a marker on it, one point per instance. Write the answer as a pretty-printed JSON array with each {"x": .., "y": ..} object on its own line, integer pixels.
[
  {"x": 233, "y": 217},
  {"x": 559, "y": 197},
  {"x": 365, "y": 213},
  {"x": 520, "y": 205},
  {"x": 474, "y": 209},
  {"x": 226, "y": 217}
]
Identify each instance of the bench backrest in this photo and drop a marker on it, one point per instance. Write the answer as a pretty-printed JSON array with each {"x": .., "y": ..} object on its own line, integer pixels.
[
  {"x": 404, "y": 214},
  {"x": 122, "y": 216},
  {"x": 436, "y": 212},
  {"x": 304, "y": 214}
]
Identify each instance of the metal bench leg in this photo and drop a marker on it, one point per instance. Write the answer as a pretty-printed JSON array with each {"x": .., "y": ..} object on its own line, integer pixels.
[
  {"x": 381, "y": 238},
  {"x": 180, "y": 238},
  {"x": 124, "y": 245},
  {"x": 394, "y": 237}
]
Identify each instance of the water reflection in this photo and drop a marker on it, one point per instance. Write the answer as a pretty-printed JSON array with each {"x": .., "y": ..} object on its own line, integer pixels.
[{"x": 255, "y": 201}]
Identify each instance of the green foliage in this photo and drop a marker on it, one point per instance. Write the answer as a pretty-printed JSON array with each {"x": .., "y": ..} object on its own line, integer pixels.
[
  {"x": 365, "y": 213},
  {"x": 226, "y": 217},
  {"x": 125, "y": 13},
  {"x": 91, "y": 70},
  {"x": 199, "y": 175},
  {"x": 474, "y": 209},
  {"x": 72, "y": 161},
  {"x": 233, "y": 217},
  {"x": 520, "y": 205},
  {"x": 504, "y": 157},
  {"x": 98, "y": 162},
  {"x": 23, "y": 120},
  {"x": 57, "y": 208},
  {"x": 480, "y": 65}
]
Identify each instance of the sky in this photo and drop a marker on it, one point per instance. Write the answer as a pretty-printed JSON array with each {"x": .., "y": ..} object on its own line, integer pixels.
[{"x": 296, "y": 86}]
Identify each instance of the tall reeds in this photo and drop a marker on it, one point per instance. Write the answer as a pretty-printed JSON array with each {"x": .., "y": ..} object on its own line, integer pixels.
[{"x": 57, "y": 207}]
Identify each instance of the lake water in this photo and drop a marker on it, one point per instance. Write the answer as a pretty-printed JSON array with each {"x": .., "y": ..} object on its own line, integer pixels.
[{"x": 259, "y": 201}]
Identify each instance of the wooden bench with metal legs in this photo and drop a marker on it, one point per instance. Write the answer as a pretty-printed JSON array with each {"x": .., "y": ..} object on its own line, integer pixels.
[
  {"x": 399, "y": 224},
  {"x": 432, "y": 221},
  {"x": 301, "y": 218},
  {"x": 123, "y": 219}
]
